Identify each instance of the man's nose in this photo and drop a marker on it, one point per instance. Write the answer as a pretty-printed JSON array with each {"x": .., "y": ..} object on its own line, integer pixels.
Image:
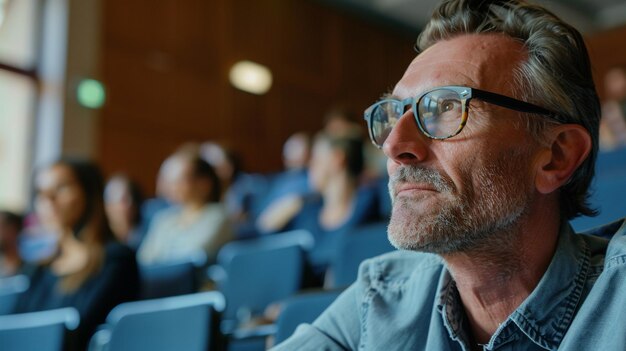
[{"x": 406, "y": 144}]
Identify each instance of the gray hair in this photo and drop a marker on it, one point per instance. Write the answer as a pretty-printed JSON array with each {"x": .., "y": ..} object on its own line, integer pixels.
[{"x": 556, "y": 75}]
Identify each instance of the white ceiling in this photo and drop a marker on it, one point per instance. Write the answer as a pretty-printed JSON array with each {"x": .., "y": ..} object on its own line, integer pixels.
[{"x": 586, "y": 15}]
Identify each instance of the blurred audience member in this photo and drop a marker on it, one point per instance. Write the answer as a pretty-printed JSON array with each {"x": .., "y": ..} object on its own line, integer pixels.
[
  {"x": 334, "y": 170},
  {"x": 342, "y": 121},
  {"x": 162, "y": 200},
  {"x": 123, "y": 200},
  {"x": 10, "y": 227},
  {"x": 90, "y": 270},
  {"x": 613, "y": 122},
  {"x": 294, "y": 180},
  {"x": 296, "y": 152},
  {"x": 243, "y": 193},
  {"x": 225, "y": 162},
  {"x": 197, "y": 223}
]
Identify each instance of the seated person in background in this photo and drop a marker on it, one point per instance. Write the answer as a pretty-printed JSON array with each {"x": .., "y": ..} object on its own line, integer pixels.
[
  {"x": 334, "y": 170},
  {"x": 123, "y": 200},
  {"x": 198, "y": 221},
  {"x": 341, "y": 120},
  {"x": 483, "y": 185},
  {"x": 242, "y": 193},
  {"x": 294, "y": 180},
  {"x": 90, "y": 270},
  {"x": 162, "y": 200},
  {"x": 10, "y": 228}
]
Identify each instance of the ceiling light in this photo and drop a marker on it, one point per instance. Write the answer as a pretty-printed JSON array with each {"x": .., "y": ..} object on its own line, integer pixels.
[{"x": 251, "y": 77}]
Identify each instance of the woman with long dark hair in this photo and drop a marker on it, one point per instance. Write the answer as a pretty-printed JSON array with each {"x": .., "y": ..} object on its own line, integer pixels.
[{"x": 89, "y": 269}]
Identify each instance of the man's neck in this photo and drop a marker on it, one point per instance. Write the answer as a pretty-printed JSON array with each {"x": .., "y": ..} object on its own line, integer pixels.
[{"x": 494, "y": 281}]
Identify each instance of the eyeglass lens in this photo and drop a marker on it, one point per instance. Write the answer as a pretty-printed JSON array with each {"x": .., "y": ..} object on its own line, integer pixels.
[{"x": 439, "y": 115}]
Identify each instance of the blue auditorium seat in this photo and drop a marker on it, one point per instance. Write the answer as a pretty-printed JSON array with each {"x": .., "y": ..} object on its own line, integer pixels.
[
  {"x": 172, "y": 278},
  {"x": 304, "y": 308},
  {"x": 608, "y": 195},
  {"x": 11, "y": 288},
  {"x": 355, "y": 246},
  {"x": 186, "y": 322},
  {"x": 256, "y": 272},
  {"x": 37, "y": 331},
  {"x": 611, "y": 163},
  {"x": 608, "y": 191}
]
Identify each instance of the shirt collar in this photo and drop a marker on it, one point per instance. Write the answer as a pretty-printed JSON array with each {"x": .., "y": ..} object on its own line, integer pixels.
[{"x": 546, "y": 314}]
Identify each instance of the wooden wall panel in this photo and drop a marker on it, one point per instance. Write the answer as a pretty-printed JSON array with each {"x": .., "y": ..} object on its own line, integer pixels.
[
  {"x": 165, "y": 64},
  {"x": 607, "y": 49}
]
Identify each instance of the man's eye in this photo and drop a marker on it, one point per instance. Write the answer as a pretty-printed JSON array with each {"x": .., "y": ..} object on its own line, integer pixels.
[{"x": 448, "y": 105}]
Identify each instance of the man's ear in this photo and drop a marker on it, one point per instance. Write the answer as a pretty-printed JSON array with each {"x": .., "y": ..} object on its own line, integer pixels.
[{"x": 568, "y": 146}]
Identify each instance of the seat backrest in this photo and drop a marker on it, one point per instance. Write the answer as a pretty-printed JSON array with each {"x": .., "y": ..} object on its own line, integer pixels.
[
  {"x": 11, "y": 288},
  {"x": 300, "y": 309},
  {"x": 37, "y": 331},
  {"x": 186, "y": 322},
  {"x": 262, "y": 270},
  {"x": 353, "y": 247},
  {"x": 607, "y": 195},
  {"x": 611, "y": 163},
  {"x": 172, "y": 278}
]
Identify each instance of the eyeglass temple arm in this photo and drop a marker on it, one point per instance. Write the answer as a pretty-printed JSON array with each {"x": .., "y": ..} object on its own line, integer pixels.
[{"x": 510, "y": 103}]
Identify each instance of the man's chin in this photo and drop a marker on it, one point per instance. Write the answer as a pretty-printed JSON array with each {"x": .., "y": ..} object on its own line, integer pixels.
[
  {"x": 405, "y": 232},
  {"x": 408, "y": 209}
]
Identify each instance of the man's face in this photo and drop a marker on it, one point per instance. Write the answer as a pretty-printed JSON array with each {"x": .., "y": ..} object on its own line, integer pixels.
[{"x": 465, "y": 192}]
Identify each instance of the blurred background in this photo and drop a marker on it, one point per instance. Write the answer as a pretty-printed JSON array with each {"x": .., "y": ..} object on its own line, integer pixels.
[{"x": 127, "y": 82}]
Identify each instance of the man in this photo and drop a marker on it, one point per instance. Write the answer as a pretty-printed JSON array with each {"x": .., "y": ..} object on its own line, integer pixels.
[{"x": 491, "y": 137}]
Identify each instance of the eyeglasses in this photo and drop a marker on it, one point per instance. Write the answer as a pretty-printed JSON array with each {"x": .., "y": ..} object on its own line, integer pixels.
[{"x": 440, "y": 113}]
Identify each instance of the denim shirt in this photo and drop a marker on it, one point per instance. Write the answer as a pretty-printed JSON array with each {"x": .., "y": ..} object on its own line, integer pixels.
[{"x": 408, "y": 301}]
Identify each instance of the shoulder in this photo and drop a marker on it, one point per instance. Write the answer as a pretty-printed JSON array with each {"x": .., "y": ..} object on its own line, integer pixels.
[
  {"x": 167, "y": 213},
  {"x": 616, "y": 251},
  {"x": 400, "y": 268},
  {"x": 213, "y": 213},
  {"x": 598, "y": 324}
]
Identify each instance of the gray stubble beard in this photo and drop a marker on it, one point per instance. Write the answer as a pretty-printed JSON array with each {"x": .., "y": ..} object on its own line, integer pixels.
[{"x": 464, "y": 222}]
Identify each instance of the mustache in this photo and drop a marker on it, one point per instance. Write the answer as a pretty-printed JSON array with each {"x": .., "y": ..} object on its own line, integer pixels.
[{"x": 416, "y": 174}]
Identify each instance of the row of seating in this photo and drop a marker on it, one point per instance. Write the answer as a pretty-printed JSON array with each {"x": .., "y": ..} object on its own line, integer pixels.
[
  {"x": 37, "y": 331},
  {"x": 187, "y": 322},
  {"x": 256, "y": 272},
  {"x": 249, "y": 274}
]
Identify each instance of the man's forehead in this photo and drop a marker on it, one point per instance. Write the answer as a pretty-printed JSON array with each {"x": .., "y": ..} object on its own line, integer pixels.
[{"x": 482, "y": 61}]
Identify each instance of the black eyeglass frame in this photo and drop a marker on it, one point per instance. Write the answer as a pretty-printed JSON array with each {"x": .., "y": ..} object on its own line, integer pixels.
[{"x": 466, "y": 94}]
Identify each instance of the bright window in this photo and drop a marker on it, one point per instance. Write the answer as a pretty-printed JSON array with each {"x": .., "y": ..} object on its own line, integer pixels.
[
  {"x": 17, "y": 105},
  {"x": 18, "y": 96},
  {"x": 18, "y": 33}
]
